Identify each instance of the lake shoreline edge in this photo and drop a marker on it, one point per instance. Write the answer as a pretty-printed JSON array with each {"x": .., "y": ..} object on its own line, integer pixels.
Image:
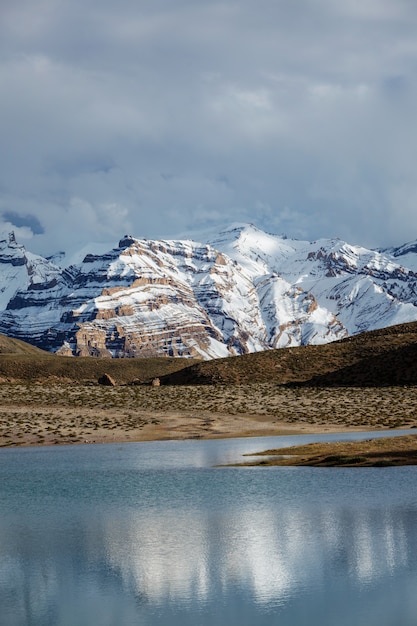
[{"x": 399, "y": 450}]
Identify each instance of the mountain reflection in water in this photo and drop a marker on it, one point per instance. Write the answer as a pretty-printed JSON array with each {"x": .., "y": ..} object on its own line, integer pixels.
[
  {"x": 83, "y": 545},
  {"x": 271, "y": 557}
]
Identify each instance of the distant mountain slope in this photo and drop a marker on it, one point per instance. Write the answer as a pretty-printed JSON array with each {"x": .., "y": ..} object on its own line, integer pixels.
[
  {"x": 405, "y": 254},
  {"x": 21, "y": 270},
  {"x": 238, "y": 291}
]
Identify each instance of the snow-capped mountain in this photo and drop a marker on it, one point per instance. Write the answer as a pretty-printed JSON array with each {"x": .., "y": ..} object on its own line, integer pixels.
[
  {"x": 21, "y": 270},
  {"x": 237, "y": 291},
  {"x": 406, "y": 254}
]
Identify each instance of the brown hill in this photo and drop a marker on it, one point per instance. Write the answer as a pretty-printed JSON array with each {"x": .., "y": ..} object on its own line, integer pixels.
[
  {"x": 397, "y": 366},
  {"x": 8, "y": 345},
  {"x": 382, "y": 357},
  {"x": 20, "y": 361}
]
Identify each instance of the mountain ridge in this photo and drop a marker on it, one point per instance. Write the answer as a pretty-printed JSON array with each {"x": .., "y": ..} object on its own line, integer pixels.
[{"x": 239, "y": 292}]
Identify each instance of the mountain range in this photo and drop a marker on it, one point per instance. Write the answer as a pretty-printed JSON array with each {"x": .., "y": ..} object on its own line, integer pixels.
[{"x": 231, "y": 292}]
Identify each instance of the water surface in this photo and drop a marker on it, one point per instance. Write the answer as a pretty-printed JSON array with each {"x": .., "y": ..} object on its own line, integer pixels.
[{"x": 152, "y": 534}]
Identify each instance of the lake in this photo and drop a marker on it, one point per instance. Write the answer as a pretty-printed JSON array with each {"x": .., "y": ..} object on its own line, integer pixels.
[{"x": 154, "y": 534}]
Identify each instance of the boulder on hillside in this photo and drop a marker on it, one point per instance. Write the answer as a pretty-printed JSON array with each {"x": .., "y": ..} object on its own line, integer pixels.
[{"x": 107, "y": 381}]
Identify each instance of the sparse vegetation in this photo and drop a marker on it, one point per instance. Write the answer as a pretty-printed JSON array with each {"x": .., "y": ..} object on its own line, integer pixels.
[
  {"x": 378, "y": 358},
  {"x": 384, "y": 452},
  {"x": 48, "y": 399},
  {"x": 59, "y": 412}
]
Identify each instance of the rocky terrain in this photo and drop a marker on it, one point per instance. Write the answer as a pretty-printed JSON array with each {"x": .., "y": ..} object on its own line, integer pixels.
[
  {"x": 234, "y": 292},
  {"x": 52, "y": 399}
]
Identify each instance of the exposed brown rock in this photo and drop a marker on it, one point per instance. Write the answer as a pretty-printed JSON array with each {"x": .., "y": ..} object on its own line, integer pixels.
[
  {"x": 91, "y": 341},
  {"x": 106, "y": 314},
  {"x": 64, "y": 350},
  {"x": 125, "y": 310},
  {"x": 107, "y": 381},
  {"x": 220, "y": 259}
]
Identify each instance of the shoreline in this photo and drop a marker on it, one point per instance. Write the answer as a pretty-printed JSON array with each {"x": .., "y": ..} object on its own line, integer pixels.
[
  {"x": 380, "y": 452},
  {"x": 175, "y": 427},
  {"x": 59, "y": 414}
]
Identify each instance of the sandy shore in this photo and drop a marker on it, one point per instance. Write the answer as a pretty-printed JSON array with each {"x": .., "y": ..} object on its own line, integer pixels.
[
  {"x": 65, "y": 414},
  {"x": 86, "y": 426}
]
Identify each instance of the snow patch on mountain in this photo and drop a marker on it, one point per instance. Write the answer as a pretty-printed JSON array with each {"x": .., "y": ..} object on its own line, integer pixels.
[
  {"x": 405, "y": 254},
  {"x": 231, "y": 292}
]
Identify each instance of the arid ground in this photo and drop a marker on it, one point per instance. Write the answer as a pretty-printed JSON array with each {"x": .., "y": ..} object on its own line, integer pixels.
[
  {"x": 382, "y": 452},
  {"x": 59, "y": 413}
]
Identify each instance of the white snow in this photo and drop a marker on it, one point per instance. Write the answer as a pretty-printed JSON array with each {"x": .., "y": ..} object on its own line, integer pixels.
[{"x": 232, "y": 291}]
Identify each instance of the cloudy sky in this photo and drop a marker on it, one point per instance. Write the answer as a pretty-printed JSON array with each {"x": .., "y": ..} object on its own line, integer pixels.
[{"x": 160, "y": 117}]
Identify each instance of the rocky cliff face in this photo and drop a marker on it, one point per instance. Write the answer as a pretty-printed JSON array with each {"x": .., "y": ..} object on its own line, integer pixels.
[{"x": 239, "y": 291}]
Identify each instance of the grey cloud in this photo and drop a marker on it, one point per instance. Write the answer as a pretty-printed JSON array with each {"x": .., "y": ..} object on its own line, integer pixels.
[
  {"x": 158, "y": 117},
  {"x": 29, "y": 221}
]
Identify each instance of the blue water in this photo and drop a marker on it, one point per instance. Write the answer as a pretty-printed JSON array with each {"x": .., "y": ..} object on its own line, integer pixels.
[{"x": 155, "y": 534}]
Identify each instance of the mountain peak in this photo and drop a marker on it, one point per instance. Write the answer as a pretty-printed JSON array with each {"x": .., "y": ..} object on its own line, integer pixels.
[
  {"x": 8, "y": 240},
  {"x": 233, "y": 291},
  {"x": 126, "y": 241}
]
